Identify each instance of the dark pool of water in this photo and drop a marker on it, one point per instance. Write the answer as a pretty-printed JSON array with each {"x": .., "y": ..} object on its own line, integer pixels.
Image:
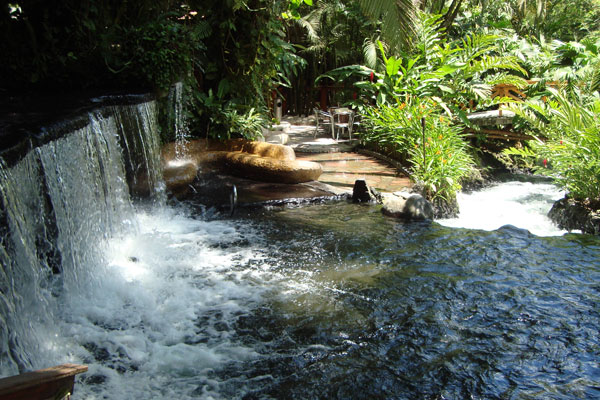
[{"x": 369, "y": 307}]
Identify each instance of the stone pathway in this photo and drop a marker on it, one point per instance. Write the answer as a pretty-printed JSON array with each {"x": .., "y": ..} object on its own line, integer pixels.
[
  {"x": 341, "y": 166},
  {"x": 343, "y": 169}
]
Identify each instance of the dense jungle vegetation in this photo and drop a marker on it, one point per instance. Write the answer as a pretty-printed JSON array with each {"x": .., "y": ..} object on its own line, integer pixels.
[{"x": 411, "y": 69}]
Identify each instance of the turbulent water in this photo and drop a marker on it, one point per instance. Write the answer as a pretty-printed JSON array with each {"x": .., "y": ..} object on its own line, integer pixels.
[
  {"x": 520, "y": 203},
  {"x": 324, "y": 301}
]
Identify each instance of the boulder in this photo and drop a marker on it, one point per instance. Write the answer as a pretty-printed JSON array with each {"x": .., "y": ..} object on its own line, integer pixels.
[
  {"x": 178, "y": 174},
  {"x": 407, "y": 206},
  {"x": 265, "y": 162},
  {"x": 570, "y": 214},
  {"x": 268, "y": 169}
]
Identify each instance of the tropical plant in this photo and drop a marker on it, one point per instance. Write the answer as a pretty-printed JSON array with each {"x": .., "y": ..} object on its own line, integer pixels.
[
  {"x": 397, "y": 19},
  {"x": 454, "y": 74},
  {"x": 429, "y": 142},
  {"x": 571, "y": 152}
]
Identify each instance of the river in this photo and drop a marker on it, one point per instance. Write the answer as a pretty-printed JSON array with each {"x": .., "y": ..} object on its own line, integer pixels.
[{"x": 333, "y": 300}]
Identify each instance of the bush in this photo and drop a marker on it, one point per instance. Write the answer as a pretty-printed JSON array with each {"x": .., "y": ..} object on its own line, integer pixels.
[
  {"x": 571, "y": 152},
  {"x": 437, "y": 155}
]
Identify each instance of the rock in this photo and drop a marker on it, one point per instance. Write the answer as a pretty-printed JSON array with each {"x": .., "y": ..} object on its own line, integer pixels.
[
  {"x": 281, "y": 138},
  {"x": 178, "y": 174},
  {"x": 445, "y": 208},
  {"x": 407, "y": 206},
  {"x": 570, "y": 214},
  {"x": 265, "y": 162},
  {"x": 268, "y": 169},
  {"x": 363, "y": 193}
]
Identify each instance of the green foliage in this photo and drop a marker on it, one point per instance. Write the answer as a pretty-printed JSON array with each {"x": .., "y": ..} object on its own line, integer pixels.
[
  {"x": 164, "y": 51},
  {"x": 250, "y": 57},
  {"x": 396, "y": 16},
  {"x": 246, "y": 124},
  {"x": 521, "y": 157},
  {"x": 571, "y": 153},
  {"x": 231, "y": 54},
  {"x": 562, "y": 20},
  {"x": 92, "y": 43},
  {"x": 438, "y": 156},
  {"x": 453, "y": 74},
  {"x": 294, "y": 8}
]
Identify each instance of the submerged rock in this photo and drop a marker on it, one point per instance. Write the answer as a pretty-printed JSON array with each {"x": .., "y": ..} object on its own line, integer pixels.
[
  {"x": 407, "y": 206},
  {"x": 570, "y": 214}
]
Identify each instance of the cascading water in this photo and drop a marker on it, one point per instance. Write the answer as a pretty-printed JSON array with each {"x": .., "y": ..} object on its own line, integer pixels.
[
  {"x": 179, "y": 120},
  {"x": 86, "y": 276},
  {"x": 523, "y": 204},
  {"x": 326, "y": 301}
]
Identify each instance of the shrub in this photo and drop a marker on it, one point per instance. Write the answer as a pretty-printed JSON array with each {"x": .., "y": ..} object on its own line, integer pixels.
[
  {"x": 437, "y": 155},
  {"x": 571, "y": 152}
]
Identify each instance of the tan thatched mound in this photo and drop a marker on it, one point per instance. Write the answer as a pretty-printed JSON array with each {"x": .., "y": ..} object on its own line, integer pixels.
[{"x": 260, "y": 161}]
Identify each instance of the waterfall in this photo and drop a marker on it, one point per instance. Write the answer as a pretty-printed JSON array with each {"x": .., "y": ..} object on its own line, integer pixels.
[
  {"x": 97, "y": 269},
  {"x": 179, "y": 120},
  {"x": 58, "y": 204}
]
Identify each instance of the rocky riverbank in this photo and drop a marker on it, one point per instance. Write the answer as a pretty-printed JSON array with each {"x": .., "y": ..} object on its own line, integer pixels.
[{"x": 571, "y": 214}]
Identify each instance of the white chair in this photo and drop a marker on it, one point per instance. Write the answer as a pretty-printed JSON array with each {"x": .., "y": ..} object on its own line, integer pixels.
[
  {"x": 343, "y": 120},
  {"x": 322, "y": 118}
]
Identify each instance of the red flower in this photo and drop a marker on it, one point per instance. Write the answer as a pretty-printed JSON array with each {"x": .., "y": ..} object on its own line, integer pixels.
[
  {"x": 545, "y": 163},
  {"x": 372, "y": 76}
]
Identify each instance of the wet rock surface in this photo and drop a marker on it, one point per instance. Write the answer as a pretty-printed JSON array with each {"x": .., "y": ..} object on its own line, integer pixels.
[
  {"x": 407, "y": 206},
  {"x": 571, "y": 215},
  {"x": 445, "y": 208},
  {"x": 29, "y": 120},
  {"x": 363, "y": 193}
]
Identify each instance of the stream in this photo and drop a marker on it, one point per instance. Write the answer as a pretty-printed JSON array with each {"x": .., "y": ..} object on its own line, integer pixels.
[{"x": 333, "y": 301}]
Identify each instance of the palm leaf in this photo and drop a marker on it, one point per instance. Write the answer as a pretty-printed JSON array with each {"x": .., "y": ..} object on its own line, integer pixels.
[
  {"x": 397, "y": 19},
  {"x": 370, "y": 53}
]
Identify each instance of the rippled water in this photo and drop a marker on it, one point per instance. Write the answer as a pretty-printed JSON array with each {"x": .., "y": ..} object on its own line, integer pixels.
[
  {"x": 329, "y": 301},
  {"x": 373, "y": 308}
]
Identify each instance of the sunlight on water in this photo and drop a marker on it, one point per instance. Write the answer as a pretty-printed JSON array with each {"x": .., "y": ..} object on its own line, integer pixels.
[
  {"x": 326, "y": 301},
  {"x": 157, "y": 320},
  {"x": 521, "y": 204}
]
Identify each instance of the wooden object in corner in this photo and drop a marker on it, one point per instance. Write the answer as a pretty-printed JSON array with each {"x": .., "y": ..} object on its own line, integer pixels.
[{"x": 44, "y": 384}]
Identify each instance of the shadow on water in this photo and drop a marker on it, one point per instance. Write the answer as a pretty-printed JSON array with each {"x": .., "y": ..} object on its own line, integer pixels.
[{"x": 373, "y": 308}]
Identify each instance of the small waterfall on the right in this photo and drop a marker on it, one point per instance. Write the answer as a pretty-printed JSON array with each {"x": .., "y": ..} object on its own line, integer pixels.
[
  {"x": 179, "y": 120},
  {"x": 519, "y": 203}
]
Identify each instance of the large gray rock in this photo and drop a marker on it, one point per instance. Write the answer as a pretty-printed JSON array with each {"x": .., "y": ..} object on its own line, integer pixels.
[{"x": 407, "y": 206}]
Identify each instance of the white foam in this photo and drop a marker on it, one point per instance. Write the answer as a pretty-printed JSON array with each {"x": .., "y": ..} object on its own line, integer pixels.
[
  {"x": 162, "y": 309},
  {"x": 521, "y": 204}
]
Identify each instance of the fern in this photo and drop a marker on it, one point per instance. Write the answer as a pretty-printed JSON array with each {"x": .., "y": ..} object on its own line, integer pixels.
[
  {"x": 370, "y": 53},
  {"x": 489, "y": 62},
  {"x": 507, "y": 79}
]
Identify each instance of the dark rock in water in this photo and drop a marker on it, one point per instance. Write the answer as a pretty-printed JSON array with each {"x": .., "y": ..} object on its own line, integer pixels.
[
  {"x": 445, "y": 208},
  {"x": 407, "y": 206},
  {"x": 95, "y": 379},
  {"x": 363, "y": 193},
  {"x": 571, "y": 215}
]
